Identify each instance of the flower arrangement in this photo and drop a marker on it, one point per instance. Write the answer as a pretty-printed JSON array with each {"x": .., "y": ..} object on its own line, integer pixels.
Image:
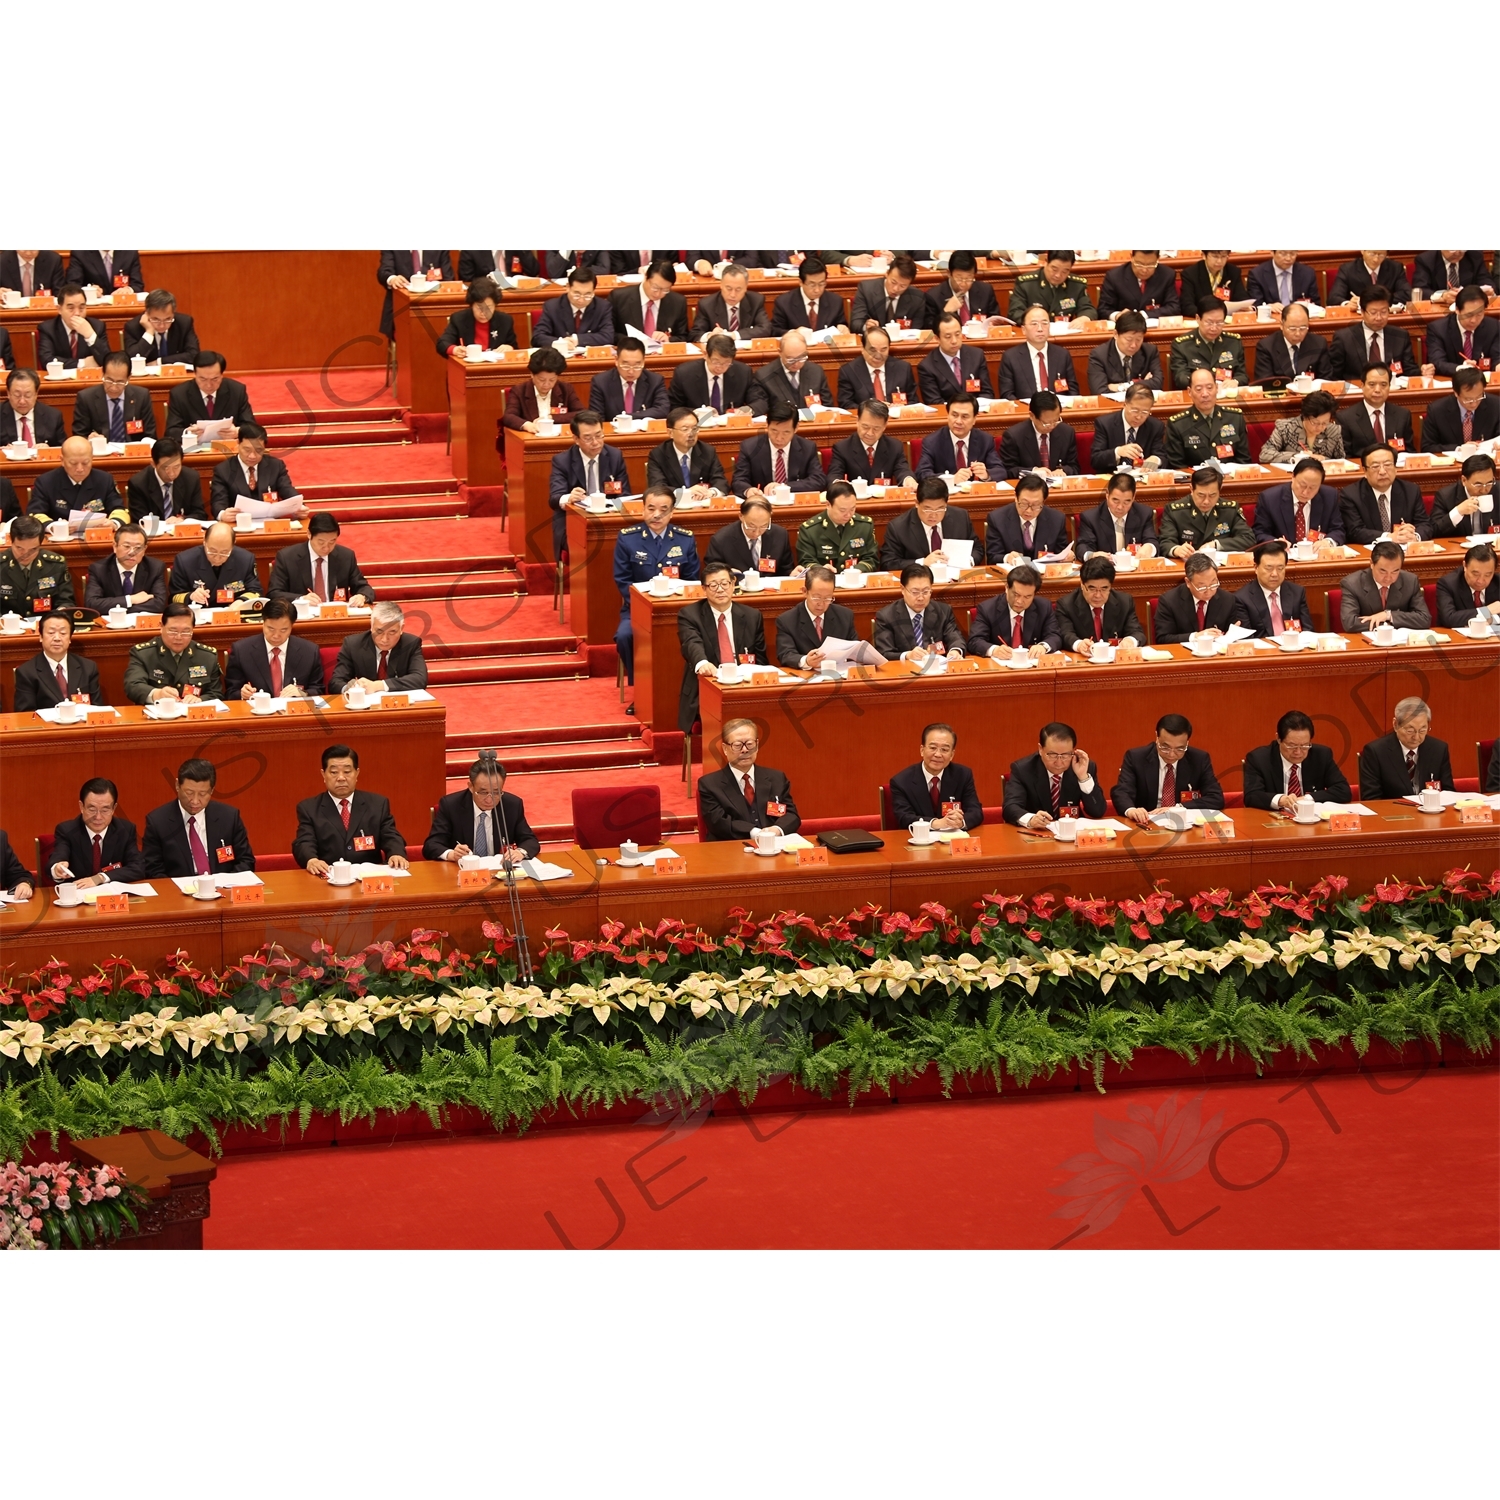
[{"x": 41, "y": 1204}]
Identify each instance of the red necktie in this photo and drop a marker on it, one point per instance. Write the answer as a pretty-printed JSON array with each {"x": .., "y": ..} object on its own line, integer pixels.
[
  {"x": 1385, "y": 589},
  {"x": 320, "y": 583},
  {"x": 1098, "y": 624},
  {"x": 1468, "y": 344},
  {"x": 344, "y": 812},
  {"x": 734, "y": 318},
  {"x": 1202, "y": 608},
  {"x": 818, "y": 625},
  {"x": 781, "y": 466},
  {"x": 958, "y": 453},
  {"x": 200, "y": 854},
  {"x": 1299, "y": 530},
  {"x": 1468, "y": 426},
  {"x": 1143, "y": 289},
  {"x": 1015, "y": 631},
  {"x": 1294, "y": 782},
  {"x": 1278, "y": 623},
  {"x": 963, "y": 310},
  {"x": 958, "y": 370},
  {"x": 26, "y": 431},
  {"x": 1026, "y": 536},
  {"x": 878, "y": 385},
  {"x": 26, "y": 281},
  {"x": 98, "y": 852},
  {"x": 1041, "y": 373},
  {"x": 577, "y": 321},
  {"x": 541, "y": 262},
  {"x": 253, "y": 471},
  {"x": 937, "y": 796},
  {"x": 1411, "y": 768},
  {"x": 380, "y": 666},
  {"x": 1169, "y": 787},
  {"x": 1377, "y": 427},
  {"x": 1044, "y": 450},
  {"x": 650, "y": 317},
  {"x": 936, "y": 538},
  {"x": 62, "y": 682},
  {"x": 275, "y": 671},
  {"x": 416, "y": 263},
  {"x": 870, "y": 458},
  {"x": 73, "y": 344},
  {"x": 1375, "y": 358},
  {"x": 208, "y": 407},
  {"x": 1478, "y": 600},
  {"x": 630, "y": 399},
  {"x": 749, "y": 792},
  {"x": 1056, "y": 794},
  {"x": 726, "y": 646},
  {"x": 812, "y": 314}
]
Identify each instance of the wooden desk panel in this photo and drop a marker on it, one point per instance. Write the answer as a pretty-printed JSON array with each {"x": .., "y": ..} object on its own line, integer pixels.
[
  {"x": 25, "y": 472},
  {"x": 264, "y": 768}
]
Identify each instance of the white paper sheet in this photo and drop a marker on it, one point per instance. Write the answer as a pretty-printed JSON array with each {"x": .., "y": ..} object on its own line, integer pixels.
[
  {"x": 649, "y": 857},
  {"x": 50, "y": 714},
  {"x": 959, "y": 551},
  {"x": 153, "y": 710},
  {"x": 414, "y": 695},
  {"x": 212, "y": 429},
  {"x": 1449, "y": 798},
  {"x": 116, "y": 888},
  {"x": 187, "y": 884},
  {"x": 539, "y": 869},
  {"x": 371, "y": 867},
  {"x": 861, "y": 653}
]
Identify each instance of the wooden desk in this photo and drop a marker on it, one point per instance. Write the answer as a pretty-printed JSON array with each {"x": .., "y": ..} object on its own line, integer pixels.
[
  {"x": 22, "y": 323},
  {"x": 265, "y": 766},
  {"x": 838, "y": 742},
  {"x": 722, "y": 877},
  {"x": 25, "y": 472},
  {"x": 62, "y": 395},
  {"x": 109, "y": 650}
]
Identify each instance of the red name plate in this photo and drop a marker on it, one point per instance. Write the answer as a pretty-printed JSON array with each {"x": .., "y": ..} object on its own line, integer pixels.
[
  {"x": 1218, "y": 828},
  {"x": 814, "y": 856},
  {"x": 1344, "y": 822},
  {"x": 1088, "y": 838},
  {"x": 332, "y": 611},
  {"x": 202, "y": 711},
  {"x": 676, "y": 866},
  {"x": 1475, "y": 815},
  {"x": 469, "y": 880},
  {"x": 964, "y": 846},
  {"x": 247, "y": 895},
  {"x": 112, "y": 904},
  {"x": 378, "y": 885},
  {"x": 394, "y": 700}
]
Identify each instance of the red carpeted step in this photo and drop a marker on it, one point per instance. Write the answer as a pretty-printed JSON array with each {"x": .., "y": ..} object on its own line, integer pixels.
[
  {"x": 303, "y": 435},
  {"x": 375, "y": 567},
  {"x": 562, "y": 756},
  {"x": 424, "y": 508},
  {"x": 513, "y": 667},
  {"x": 333, "y": 391},
  {"x": 438, "y": 586}
]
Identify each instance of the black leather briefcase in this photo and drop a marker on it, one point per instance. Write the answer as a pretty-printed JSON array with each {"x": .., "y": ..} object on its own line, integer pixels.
[{"x": 851, "y": 841}]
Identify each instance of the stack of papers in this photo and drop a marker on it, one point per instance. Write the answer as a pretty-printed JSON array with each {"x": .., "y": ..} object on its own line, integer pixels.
[
  {"x": 155, "y": 710},
  {"x": 539, "y": 869},
  {"x": 413, "y": 695},
  {"x": 650, "y": 857},
  {"x": 187, "y": 884},
  {"x": 116, "y": 888},
  {"x": 371, "y": 867}
]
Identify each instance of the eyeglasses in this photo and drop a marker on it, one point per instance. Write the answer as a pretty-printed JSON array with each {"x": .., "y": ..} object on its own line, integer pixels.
[
  {"x": 743, "y": 746},
  {"x": 1171, "y": 752}
]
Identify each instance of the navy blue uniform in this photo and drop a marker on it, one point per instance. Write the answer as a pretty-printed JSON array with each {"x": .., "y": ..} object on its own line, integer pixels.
[{"x": 639, "y": 556}]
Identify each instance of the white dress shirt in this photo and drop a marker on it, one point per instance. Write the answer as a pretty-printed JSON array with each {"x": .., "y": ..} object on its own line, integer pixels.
[
  {"x": 191, "y": 821},
  {"x": 1286, "y": 775},
  {"x": 67, "y": 671},
  {"x": 1085, "y": 786}
]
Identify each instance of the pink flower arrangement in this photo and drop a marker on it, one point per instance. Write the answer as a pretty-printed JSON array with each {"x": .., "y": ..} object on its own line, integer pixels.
[{"x": 57, "y": 1196}]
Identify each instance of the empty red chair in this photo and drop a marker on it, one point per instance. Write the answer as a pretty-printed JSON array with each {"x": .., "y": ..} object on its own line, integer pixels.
[
  {"x": 330, "y": 655},
  {"x": 606, "y": 816},
  {"x": 45, "y": 844},
  {"x": 1335, "y": 607}
]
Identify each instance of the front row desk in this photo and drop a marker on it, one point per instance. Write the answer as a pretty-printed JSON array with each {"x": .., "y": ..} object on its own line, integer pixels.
[{"x": 299, "y": 908}]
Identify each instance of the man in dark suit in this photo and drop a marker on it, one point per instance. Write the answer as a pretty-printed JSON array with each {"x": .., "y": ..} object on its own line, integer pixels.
[
  {"x": 963, "y": 294},
  {"x": 794, "y": 377},
  {"x": 875, "y": 375},
  {"x": 1015, "y": 621},
  {"x": 936, "y": 790},
  {"x": 1302, "y": 510},
  {"x": 578, "y": 316},
  {"x": 1462, "y": 593},
  {"x": 1466, "y": 336},
  {"x": 589, "y": 467},
  {"x": 1028, "y": 529},
  {"x": 275, "y": 661},
  {"x": 652, "y": 307},
  {"x": 630, "y": 388},
  {"x": 1130, "y": 436},
  {"x": 24, "y": 418},
  {"x": 812, "y": 305},
  {"x": 546, "y": 390},
  {"x": 778, "y": 456},
  {"x": 342, "y": 822},
  {"x": 31, "y": 272},
  {"x": 1021, "y": 367},
  {"x": 712, "y": 632},
  {"x": 1126, "y": 359},
  {"x": 960, "y": 449},
  {"x": 1467, "y": 416},
  {"x": 1370, "y": 268},
  {"x": 1294, "y": 351},
  {"x": 1197, "y": 606},
  {"x": 917, "y": 534},
  {"x": 481, "y": 323},
  {"x": 1169, "y": 773},
  {"x": 1269, "y": 605},
  {"x": 1468, "y": 507},
  {"x": 1059, "y": 781},
  {"x": 96, "y": 846},
  {"x": 1095, "y": 612},
  {"x": 891, "y": 299},
  {"x": 1383, "y": 594},
  {"x": 483, "y": 819},
  {"x": 320, "y": 570},
  {"x": 684, "y": 463},
  {"x": 549, "y": 263},
  {"x": 800, "y": 632},
  {"x": 75, "y": 485},
  {"x": 1376, "y": 419},
  {"x": 1406, "y": 760},
  {"x": 1380, "y": 503},
  {"x": 107, "y": 270},
  {"x": 1372, "y": 341},
  {"x": 194, "y": 835},
  {"x": 953, "y": 367},
  {"x": 1440, "y": 275},
  {"x": 118, "y": 411},
  {"x": 127, "y": 578},
  {"x": 1214, "y": 276},
  {"x": 733, "y": 309},
  {"x": 1143, "y": 285},
  {"x": 1045, "y": 443},
  {"x": 252, "y": 474},
  {"x": 383, "y": 658},
  {"x": 743, "y": 796},
  {"x": 917, "y": 626},
  {"x": 871, "y": 455},
  {"x": 56, "y": 671},
  {"x": 166, "y": 488},
  {"x": 1291, "y": 766},
  {"x": 210, "y": 396},
  {"x": 72, "y": 336},
  {"x": 15, "y": 878},
  {"x": 397, "y": 266},
  {"x": 1280, "y": 281},
  {"x": 161, "y": 333},
  {"x": 1119, "y": 523},
  {"x": 753, "y": 544},
  {"x": 719, "y": 380}
]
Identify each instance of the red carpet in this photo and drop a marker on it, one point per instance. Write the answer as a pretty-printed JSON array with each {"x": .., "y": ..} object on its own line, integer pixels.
[{"x": 1382, "y": 1160}]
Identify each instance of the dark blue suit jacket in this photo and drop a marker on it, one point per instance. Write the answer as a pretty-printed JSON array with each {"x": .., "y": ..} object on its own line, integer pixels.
[
  {"x": 569, "y": 470},
  {"x": 1261, "y": 285},
  {"x": 1197, "y": 786},
  {"x": 1445, "y": 344},
  {"x": 911, "y": 798},
  {"x": 1018, "y": 372},
  {"x": 607, "y": 395},
  {"x": 556, "y": 322},
  {"x": 74, "y": 847},
  {"x": 1002, "y": 533},
  {"x": 1251, "y": 610},
  {"x": 937, "y": 455},
  {"x": 1275, "y": 516},
  {"x": 991, "y": 626}
]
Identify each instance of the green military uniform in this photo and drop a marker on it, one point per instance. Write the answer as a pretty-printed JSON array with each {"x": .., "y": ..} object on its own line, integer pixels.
[
  {"x": 1070, "y": 300},
  {"x": 152, "y": 666},
  {"x": 850, "y": 545},
  {"x": 45, "y": 577},
  {"x": 1224, "y": 526},
  {"x": 1193, "y": 439},
  {"x": 1191, "y": 351}
]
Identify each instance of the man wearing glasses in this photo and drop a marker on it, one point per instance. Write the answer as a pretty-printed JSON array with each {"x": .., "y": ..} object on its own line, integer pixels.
[
  {"x": 114, "y": 409},
  {"x": 1468, "y": 507},
  {"x": 1169, "y": 773},
  {"x": 1058, "y": 781},
  {"x": 1197, "y": 607},
  {"x": 713, "y": 632},
  {"x": 743, "y": 796}
]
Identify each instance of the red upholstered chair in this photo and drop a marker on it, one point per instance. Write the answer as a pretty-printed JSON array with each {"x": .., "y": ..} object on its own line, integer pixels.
[
  {"x": 1334, "y": 606},
  {"x": 914, "y": 452},
  {"x": 1234, "y": 799},
  {"x": 1483, "y": 751},
  {"x": 1429, "y": 593},
  {"x": 1086, "y": 452},
  {"x": 45, "y": 843},
  {"x": 330, "y": 655},
  {"x": 825, "y": 456},
  {"x": 1248, "y": 508},
  {"x": 1151, "y": 622},
  {"x": 606, "y": 816},
  {"x": 1259, "y": 434}
]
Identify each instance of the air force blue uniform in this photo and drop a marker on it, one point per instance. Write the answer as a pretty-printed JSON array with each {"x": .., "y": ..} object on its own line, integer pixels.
[{"x": 639, "y": 556}]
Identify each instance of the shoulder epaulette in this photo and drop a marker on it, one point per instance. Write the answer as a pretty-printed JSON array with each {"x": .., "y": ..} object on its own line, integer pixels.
[
  {"x": 859, "y": 517},
  {"x": 1182, "y": 338},
  {"x": 1030, "y": 276},
  {"x": 1235, "y": 409},
  {"x": 1178, "y": 416}
]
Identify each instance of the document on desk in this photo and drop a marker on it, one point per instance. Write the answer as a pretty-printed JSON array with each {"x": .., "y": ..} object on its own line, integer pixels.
[
  {"x": 212, "y": 429},
  {"x": 50, "y": 714},
  {"x": 187, "y": 884},
  {"x": 116, "y": 888},
  {"x": 259, "y": 510},
  {"x": 859, "y": 653},
  {"x": 652, "y": 343},
  {"x": 959, "y": 551},
  {"x": 371, "y": 867},
  {"x": 539, "y": 869}
]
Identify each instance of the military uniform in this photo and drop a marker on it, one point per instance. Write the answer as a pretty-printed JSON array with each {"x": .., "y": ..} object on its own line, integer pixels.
[
  {"x": 1070, "y": 300},
  {"x": 1193, "y": 439},
  {"x": 820, "y": 540},
  {"x": 56, "y": 497},
  {"x": 1191, "y": 351},
  {"x": 152, "y": 666},
  {"x": 45, "y": 578},
  {"x": 640, "y": 554},
  {"x": 1224, "y": 526}
]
